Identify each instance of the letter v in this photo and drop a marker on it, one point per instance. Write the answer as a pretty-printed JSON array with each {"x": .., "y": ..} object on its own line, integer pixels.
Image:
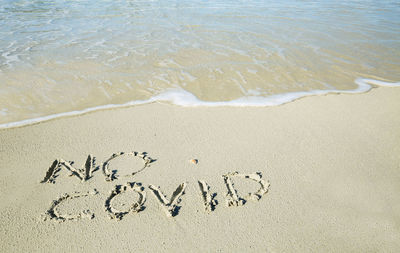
[{"x": 170, "y": 206}]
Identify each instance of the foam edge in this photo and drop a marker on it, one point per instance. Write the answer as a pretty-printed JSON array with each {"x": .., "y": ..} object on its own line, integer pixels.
[{"x": 187, "y": 99}]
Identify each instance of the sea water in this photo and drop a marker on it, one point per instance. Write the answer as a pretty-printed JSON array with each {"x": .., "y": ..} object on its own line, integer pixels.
[{"x": 67, "y": 57}]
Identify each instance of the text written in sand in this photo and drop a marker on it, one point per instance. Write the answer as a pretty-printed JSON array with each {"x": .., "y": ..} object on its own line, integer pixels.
[{"x": 171, "y": 205}]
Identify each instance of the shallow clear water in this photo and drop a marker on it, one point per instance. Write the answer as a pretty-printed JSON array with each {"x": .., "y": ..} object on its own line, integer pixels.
[{"x": 59, "y": 56}]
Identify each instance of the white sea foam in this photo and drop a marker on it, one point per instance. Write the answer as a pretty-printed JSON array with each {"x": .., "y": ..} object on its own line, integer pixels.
[{"x": 184, "y": 98}]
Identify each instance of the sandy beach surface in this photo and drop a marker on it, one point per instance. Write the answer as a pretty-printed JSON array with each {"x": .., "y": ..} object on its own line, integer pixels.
[{"x": 320, "y": 174}]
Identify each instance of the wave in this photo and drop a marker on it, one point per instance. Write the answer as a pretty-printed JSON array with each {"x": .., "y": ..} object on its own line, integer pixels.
[{"x": 184, "y": 98}]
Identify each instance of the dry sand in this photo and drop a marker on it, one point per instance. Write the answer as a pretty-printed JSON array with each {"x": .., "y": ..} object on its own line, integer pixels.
[{"x": 332, "y": 162}]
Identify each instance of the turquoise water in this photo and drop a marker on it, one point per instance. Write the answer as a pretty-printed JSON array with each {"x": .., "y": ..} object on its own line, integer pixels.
[{"x": 63, "y": 56}]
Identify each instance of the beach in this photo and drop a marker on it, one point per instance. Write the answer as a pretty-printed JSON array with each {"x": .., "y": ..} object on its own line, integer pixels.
[
  {"x": 199, "y": 126},
  {"x": 319, "y": 174}
]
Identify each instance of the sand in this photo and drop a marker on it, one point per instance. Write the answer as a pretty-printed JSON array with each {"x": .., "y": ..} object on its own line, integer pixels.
[{"x": 320, "y": 174}]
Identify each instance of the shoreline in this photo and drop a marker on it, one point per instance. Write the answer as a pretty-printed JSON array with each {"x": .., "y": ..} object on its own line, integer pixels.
[
  {"x": 186, "y": 99},
  {"x": 330, "y": 167}
]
